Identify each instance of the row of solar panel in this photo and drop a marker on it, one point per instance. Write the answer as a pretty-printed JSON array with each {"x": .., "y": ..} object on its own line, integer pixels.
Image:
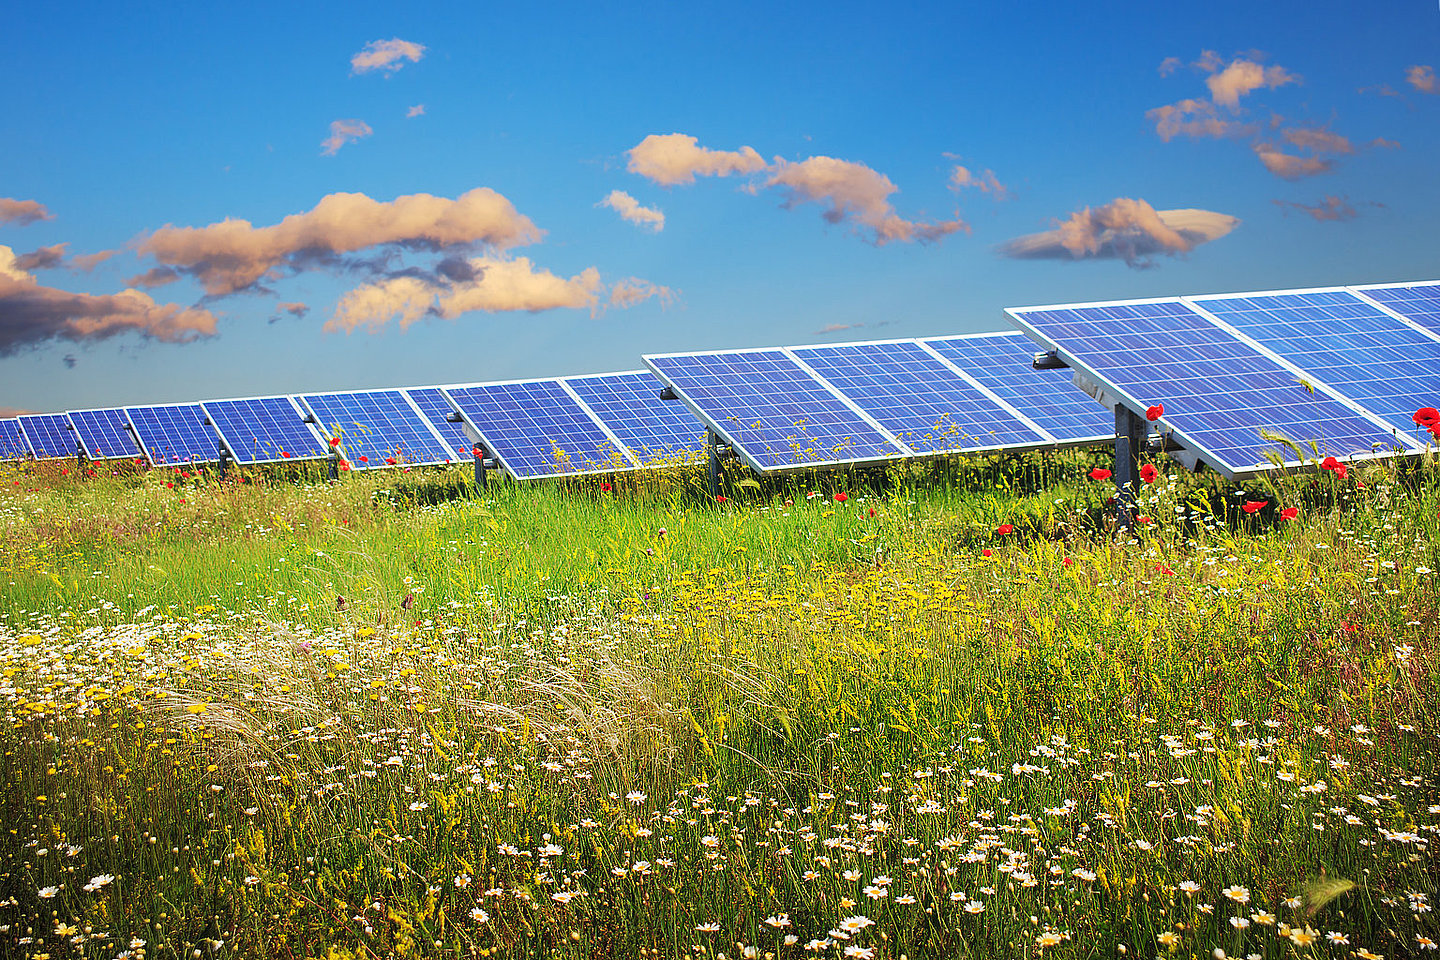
[{"x": 1343, "y": 367}]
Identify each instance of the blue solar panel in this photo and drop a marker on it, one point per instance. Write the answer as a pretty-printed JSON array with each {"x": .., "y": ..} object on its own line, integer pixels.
[
  {"x": 49, "y": 434},
  {"x": 918, "y": 398},
  {"x": 377, "y": 428},
  {"x": 1218, "y": 392},
  {"x": 1418, "y": 302},
  {"x": 12, "y": 440},
  {"x": 1002, "y": 362},
  {"x": 1384, "y": 364},
  {"x": 265, "y": 430},
  {"x": 630, "y": 405},
  {"x": 105, "y": 433},
  {"x": 773, "y": 412},
  {"x": 174, "y": 433},
  {"x": 536, "y": 429},
  {"x": 432, "y": 403}
]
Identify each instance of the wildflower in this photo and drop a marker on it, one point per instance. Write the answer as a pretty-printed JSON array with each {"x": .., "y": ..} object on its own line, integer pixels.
[
  {"x": 1303, "y": 938},
  {"x": 418, "y": 805},
  {"x": 1337, "y": 939},
  {"x": 605, "y": 487},
  {"x": 720, "y": 499},
  {"x": 710, "y": 927},
  {"x": 1289, "y": 513},
  {"x": 1237, "y": 893},
  {"x": 564, "y": 896},
  {"x": 872, "y": 511},
  {"x": 285, "y": 453},
  {"x": 1425, "y": 942},
  {"x": 334, "y": 441},
  {"x": 46, "y": 893},
  {"x": 1004, "y": 529},
  {"x": 1169, "y": 938},
  {"x": 859, "y": 953},
  {"x": 1189, "y": 887},
  {"x": 96, "y": 883},
  {"x": 986, "y": 552},
  {"x": 479, "y": 916},
  {"x": 783, "y": 920},
  {"x": 1426, "y": 417},
  {"x": 841, "y": 498},
  {"x": 462, "y": 881},
  {"x": 1252, "y": 506},
  {"x": 1048, "y": 939},
  {"x": 974, "y": 906},
  {"x": 1100, "y": 473},
  {"x": 855, "y": 924},
  {"x": 1148, "y": 473},
  {"x": 1155, "y": 413}
]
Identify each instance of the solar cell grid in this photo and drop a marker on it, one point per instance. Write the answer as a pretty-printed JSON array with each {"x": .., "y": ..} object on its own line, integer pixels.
[
  {"x": 1003, "y": 364},
  {"x": 917, "y": 397},
  {"x": 772, "y": 411},
  {"x": 174, "y": 433},
  {"x": 1216, "y": 404},
  {"x": 1418, "y": 302},
  {"x": 264, "y": 430},
  {"x": 1382, "y": 363},
  {"x": 12, "y": 440},
  {"x": 536, "y": 429},
  {"x": 49, "y": 434},
  {"x": 436, "y": 408},
  {"x": 104, "y": 433},
  {"x": 630, "y": 405},
  {"x": 377, "y": 428}
]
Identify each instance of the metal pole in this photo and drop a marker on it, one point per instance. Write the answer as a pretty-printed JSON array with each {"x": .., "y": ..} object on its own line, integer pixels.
[
  {"x": 334, "y": 464},
  {"x": 712, "y": 443},
  {"x": 479, "y": 454},
  {"x": 1130, "y": 431}
]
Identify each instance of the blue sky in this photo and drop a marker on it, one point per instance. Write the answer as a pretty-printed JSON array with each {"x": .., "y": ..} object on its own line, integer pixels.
[{"x": 807, "y": 164}]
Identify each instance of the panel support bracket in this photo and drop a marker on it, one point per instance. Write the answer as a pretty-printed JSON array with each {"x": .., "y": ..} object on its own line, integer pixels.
[{"x": 1130, "y": 435}]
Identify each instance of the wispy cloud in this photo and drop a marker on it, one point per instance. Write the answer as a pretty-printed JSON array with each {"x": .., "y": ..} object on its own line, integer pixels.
[
  {"x": 1288, "y": 166},
  {"x": 22, "y": 211},
  {"x": 633, "y": 290},
  {"x": 1330, "y": 208},
  {"x": 1422, "y": 78},
  {"x": 1197, "y": 119},
  {"x": 296, "y": 310},
  {"x": 1243, "y": 76},
  {"x": 343, "y": 132},
  {"x": 1124, "y": 229},
  {"x": 31, "y": 313},
  {"x": 674, "y": 158},
  {"x": 830, "y": 328},
  {"x": 89, "y": 261},
  {"x": 154, "y": 277},
  {"x": 45, "y": 258},
  {"x": 963, "y": 178},
  {"x": 630, "y": 209},
  {"x": 416, "y": 111},
  {"x": 233, "y": 256},
  {"x": 853, "y": 193},
  {"x": 386, "y": 55}
]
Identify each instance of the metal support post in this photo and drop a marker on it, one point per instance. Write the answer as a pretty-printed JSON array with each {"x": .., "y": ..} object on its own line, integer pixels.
[
  {"x": 478, "y": 452},
  {"x": 1130, "y": 432},
  {"x": 334, "y": 464},
  {"x": 79, "y": 457},
  {"x": 712, "y": 444},
  {"x": 223, "y": 462}
]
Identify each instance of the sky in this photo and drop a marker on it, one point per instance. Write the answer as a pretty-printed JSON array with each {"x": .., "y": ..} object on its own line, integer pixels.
[{"x": 204, "y": 200}]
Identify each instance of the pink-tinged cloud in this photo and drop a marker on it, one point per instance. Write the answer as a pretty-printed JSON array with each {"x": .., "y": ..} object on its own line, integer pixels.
[
  {"x": 1168, "y": 66},
  {"x": 31, "y": 313},
  {"x": 507, "y": 285},
  {"x": 1196, "y": 119},
  {"x": 22, "y": 211},
  {"x": 232, "y": 256},
  {"x": 854, "y": 193},
  {"x": 373, "y": 305},
  {"x": 1330, "y": 208},
  {"x": 296, "y": 310},
  {"x": 89, "y": 261},
  {"x": 630, "y": 209},
  {"x": 387, "y": 55},
  {"x": 963, "y": 178},
  {"x": 416, "y": 111},
  {"x": 830, "y": 328},
  {"x": 675, "y": 158},
  {"x": 343, "y": 132},
  {"x": 1242, "y": 77},
  {"x": 45, "y": 258},
  {"x": 154, "y": 277},
  {"x": 1124, "y": 229},
  {"x": 1317, "y": 141},
  {"x": 1287, "y": 166},
  {"x": 633, "y": 290},
  {"x": 1420, "y": 76}
]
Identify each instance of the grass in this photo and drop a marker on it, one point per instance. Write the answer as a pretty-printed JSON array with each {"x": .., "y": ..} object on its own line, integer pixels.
[{"x": 393, "y": 718}]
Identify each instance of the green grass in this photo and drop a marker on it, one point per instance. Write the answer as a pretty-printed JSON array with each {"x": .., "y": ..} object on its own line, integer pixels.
[{"x": 854, "y": 714}]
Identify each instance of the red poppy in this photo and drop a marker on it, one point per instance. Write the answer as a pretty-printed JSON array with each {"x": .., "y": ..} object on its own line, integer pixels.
[
  {"x": 334, "y": 441},
  {"x": 1427, "y": 417},
  {"x": 1289, "y": 513},
  {"x": 985, "y": 553},
  {"x": 841, "y": 498},
  {"x": 605, "y": 487},
  {"x": 1067, "y": 562},
  {"x": 1252, "y": 506},
  {"x": 872, "y": 511},
  {"x": 1148, "y": 473},
  {"x": 284, "y": 453},
  {"x": 477, "y": 453},
  {"x": 390, "y": 460},
  {"x": 1100, "y": 473},
  {"x": 1155, "y": 413},
  {"x": 1144, "y": 521},
  {"x": 344, "y": 464},
  {"x": 364, "y": 459},
  {"x": 1342, "y": 471},
  {"x": 1004, "y": 528},
  {"x": 1161, "y": 568},
  {"x": 64, "y": 472},
  {"x": 1329, "y": 463},
  {"x": 720, "y": 499}
]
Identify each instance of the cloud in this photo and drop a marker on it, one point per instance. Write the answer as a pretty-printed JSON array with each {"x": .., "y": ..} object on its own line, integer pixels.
[
  {"x": 1420, "y": 77},
  {"x": 10, "y": 412},
  {"x": 1168, "y": 66},
  {"x": 416, "y": 111},
  {"x": 962, "y": 178},
  {"x": 343, "y": 132},
  {"x": 22, "y": 211},
  {"x": 1124, "y": 229},
  {"x": 375, "y": 304},
  {"x": 633, "y": 290},
  {"x": 69, "y": 360},
  {"x": 1316, "y": 140},
  {"x": 630, "y": 209},
  {"x": 89, "y": 261},
  {"x": 1195, "y": 118},
  {"x": 233, "y": 256},
  {"x": 1329, "y": 208},
  {"x": 45, "y": 258},
  {"x": 1380, "y": 89},
  {"x": 387, "y": 55},
  {"x": 835, "y": 328},
  {"x": 855, "y": 193},
  {"x": 296, "y": 310},
  {"x": 1287, "y": 166},
  {"x": 1242, "y": 77},
  {"x": 31, "y": 314},
  {"x": 154, "y": 277},
  {"x": 675, "y": 158}
]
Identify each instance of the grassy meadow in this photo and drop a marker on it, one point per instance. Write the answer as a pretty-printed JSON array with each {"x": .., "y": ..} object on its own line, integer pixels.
[{"x": 939, "y": 712}]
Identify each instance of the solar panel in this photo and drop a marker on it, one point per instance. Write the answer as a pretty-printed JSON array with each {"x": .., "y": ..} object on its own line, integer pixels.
[
  {"x": 49, "y": 434},
  {"x": 1334, "y": 337},
  {"x": 13, "y": 445},
  {"x": 264, "y": 430},
  {"x": 536, "y": 428},
  {"x": 630, "y": 405},
  {"x": 1001, "y": 362},
  {"x": 918, "y": 397},
  {"x": 1417, "y": 302},
  {"x": 772, "y": 411},
  {"x": 104, "y": 433},
  {"x": 377, "y": 428},
  {"x": 174, "y": 433},
  {"x": 432, "y": 403},
  {"x": 1218, "y": 392}
]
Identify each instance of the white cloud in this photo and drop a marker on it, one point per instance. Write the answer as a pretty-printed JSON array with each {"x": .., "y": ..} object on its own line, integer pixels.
[
  {"x": 852, "y": 192},
  {"x": 630, "y": 209},
  {"x": 343, "y": 132},
  {"x": 1124, "y": 229},
  {"x": 387, "y": 55},
  {"x": 675, "y": 158}
]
